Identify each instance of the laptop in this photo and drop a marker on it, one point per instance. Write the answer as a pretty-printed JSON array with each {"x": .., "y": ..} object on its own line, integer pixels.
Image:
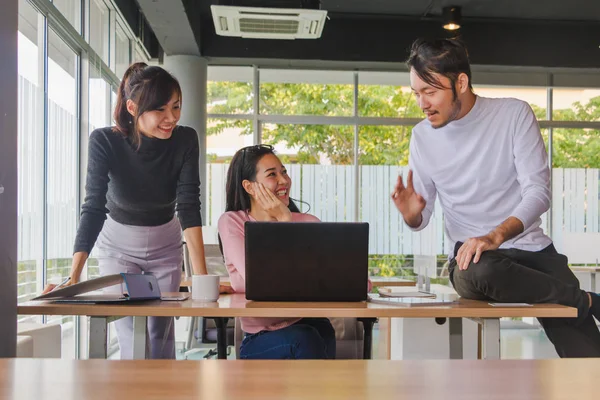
[
  {"x": 138, "y": 287},
  {"x": 306, "y": 261}
]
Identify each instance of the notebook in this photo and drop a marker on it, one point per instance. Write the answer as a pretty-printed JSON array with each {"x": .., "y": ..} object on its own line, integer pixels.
[{"x": 138, "y": 287}]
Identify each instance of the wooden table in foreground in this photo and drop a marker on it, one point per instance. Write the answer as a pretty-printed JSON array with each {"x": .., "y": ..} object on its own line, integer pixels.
[
  {"x": 375, "y": 280},
  {"x": 236, "y": 305},
  {"x": 52, "y": 379}
]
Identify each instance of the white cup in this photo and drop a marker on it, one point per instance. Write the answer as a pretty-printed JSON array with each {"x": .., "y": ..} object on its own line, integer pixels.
[{"x": 205, "y": 287}]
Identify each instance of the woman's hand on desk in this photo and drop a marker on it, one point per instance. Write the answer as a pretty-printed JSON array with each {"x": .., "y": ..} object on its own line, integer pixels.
[
  {"x": 77, "y": 264},
  {"x": 226, "y": 289},
  {"x": 51, "y": 286}
]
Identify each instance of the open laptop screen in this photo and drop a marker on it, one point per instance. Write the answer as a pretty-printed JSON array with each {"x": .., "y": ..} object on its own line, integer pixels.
[{"x": 306, "y": 261}]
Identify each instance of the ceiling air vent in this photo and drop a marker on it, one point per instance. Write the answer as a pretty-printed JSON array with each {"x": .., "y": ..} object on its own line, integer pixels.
[{"x": 268, "y": 23}]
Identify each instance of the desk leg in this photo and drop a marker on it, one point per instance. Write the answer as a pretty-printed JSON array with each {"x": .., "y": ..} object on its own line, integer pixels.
[
  {"x": 491, "y": 338},
  {"x": 593, "y": 286},
  {"x": 221, "y": 324},
  {"x": 456, "y": 338},
  {"x": 368, "y": 337},
  {"x": 98, "y": 332},
  {"x": 139, "y": 337},
  {"x": 191, "y": 332}
]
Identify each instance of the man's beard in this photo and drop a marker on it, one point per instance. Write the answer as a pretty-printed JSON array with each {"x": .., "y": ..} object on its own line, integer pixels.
[{"x": 456, "y": 106}]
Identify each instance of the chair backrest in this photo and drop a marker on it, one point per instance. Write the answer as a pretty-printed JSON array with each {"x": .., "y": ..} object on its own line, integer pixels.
[
  {"x": 581, "y": 247},
  {"x": 209, "y": 234},
  {"x": 212, "y": 250}
]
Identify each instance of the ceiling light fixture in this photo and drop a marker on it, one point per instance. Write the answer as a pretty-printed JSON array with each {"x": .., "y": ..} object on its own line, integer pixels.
[{"x": 451, "y": 18}]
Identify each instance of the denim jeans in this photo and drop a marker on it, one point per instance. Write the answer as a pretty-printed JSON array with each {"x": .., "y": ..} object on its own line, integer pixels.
[
  {"x": 309, "y": 338},
  {"x": 512, "y": 275}
]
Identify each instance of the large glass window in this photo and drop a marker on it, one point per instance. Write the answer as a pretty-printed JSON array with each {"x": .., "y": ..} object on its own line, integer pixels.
[
  {"x": 71, "y": 9},
  {"x": 575, "y": 181},
  {"x": 576, "y": 104},
  {"x": 224, "y": 138},
  {"x": 575, "y": 162},
  {"x": 307, "y": 141},
  {"x": 123, "y": 51},
  {"x": 30, "y": 156},
  {"x": 387, "y": 101},
  {"x": 99, "y": 100},
  {"x": 290, "y": 92},
  {"x": 229, "y": 91},
  {"x": 576, "y": 148},
  {"x": 385, "y": 94},
  {"x": 230, "y": 96},
  {"x": 139, "y": 55},
  {"x": 61, "y": 170},
  {"x": 99, "y": 28}
]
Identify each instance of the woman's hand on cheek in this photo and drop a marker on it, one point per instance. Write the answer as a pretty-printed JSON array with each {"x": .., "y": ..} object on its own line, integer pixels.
[{"x": 270, "y": 203}]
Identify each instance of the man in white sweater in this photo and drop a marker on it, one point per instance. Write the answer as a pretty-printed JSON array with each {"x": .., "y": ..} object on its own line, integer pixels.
[{"x": 486, "y": 161}]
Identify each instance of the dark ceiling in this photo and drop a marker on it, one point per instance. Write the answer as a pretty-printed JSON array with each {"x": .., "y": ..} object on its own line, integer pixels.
[
  {"x": 538, "y": 33},
  {"x": 555, "y": 10}
]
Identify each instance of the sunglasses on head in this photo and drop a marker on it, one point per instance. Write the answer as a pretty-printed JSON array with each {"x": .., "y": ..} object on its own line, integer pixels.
[{"x": 253, "y": 149}]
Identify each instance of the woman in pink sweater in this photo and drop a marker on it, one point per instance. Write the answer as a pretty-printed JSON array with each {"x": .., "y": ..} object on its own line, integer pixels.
[{"x": 258, "y": 190}]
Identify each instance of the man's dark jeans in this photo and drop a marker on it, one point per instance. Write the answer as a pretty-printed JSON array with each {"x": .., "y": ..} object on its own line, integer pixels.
[{"x": 514, "y": 275}]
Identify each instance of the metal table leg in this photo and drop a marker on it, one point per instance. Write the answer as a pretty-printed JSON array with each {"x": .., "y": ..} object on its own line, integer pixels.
[
  {"x": 456, "y": 338},
  {"x": 368, "y": 336},
  {"x": 490, "y": 338},
  {"x": 98, "y": 337},
  {"x": 139, "y": 338},
  {"x": 221, "y": 324}
]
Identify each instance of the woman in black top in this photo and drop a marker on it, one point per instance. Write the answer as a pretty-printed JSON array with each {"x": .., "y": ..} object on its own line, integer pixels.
[{"x": 140, "y": 172}]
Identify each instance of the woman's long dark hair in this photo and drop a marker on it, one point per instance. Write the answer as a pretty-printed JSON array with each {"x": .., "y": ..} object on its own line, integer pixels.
[
  {"x": 243, "y": 167},
  {"x": 150, "y": 88}
]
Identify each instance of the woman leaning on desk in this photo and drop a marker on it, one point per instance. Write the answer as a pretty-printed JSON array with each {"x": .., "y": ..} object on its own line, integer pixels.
[{"x": 140, "y": 172}]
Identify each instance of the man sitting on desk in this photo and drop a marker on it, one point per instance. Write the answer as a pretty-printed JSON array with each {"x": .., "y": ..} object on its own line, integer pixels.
[{"x": 486, "y": 160}]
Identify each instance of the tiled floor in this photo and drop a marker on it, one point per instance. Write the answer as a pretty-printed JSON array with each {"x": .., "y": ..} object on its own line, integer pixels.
[{"x": 526, "y": 344}]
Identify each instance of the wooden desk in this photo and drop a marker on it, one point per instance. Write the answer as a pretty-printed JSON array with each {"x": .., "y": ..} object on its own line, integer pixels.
[
  {"x": 375, "y": 280},
  {"x": 236, "y": 305},
  {"x": 54, "y": 379}
]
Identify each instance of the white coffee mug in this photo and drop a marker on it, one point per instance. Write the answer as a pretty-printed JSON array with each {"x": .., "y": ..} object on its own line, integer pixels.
[{"x": 205, "y": 287}]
